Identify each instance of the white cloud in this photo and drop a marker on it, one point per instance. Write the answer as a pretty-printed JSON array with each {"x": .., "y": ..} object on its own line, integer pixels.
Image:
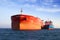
[
  {"x": 23, "y": 1},
  {"x": 8, "y": 4},
  {"x": 28, "y": 5},
  {"x": 48, "y": 10},
  {"x": 37, "y": 8},
  {"x": 5, "y": 3},
  {"x": 47, "y": 2},
  {"x": 33, "y": 1},
  {"x": 55, "y": 6}
]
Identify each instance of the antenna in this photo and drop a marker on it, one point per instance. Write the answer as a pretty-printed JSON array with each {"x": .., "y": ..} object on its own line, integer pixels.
[{"x": 21, "y": 11}]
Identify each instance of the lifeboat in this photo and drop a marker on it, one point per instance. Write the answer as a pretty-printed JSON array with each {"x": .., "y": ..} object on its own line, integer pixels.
[{"x": 26, "y": 22}]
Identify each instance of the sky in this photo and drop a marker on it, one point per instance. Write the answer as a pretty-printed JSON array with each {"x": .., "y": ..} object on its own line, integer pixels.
[{"x": 44, "y": 9}]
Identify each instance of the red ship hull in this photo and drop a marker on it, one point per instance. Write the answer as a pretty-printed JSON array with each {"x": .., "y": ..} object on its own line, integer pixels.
[{"x": 26, "y": 22}]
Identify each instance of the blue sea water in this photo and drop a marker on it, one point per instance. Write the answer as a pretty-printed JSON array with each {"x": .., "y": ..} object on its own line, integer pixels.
[{"x": 9, "y": 34}]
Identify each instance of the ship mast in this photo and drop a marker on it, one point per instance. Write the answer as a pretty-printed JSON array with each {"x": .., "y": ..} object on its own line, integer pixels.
[{"x": 21, "y": 11}]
